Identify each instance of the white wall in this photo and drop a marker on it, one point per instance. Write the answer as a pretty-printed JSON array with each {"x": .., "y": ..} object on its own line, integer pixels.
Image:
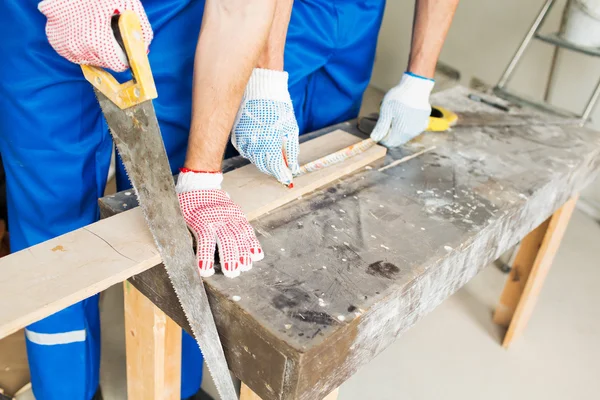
[{"x": 481, "y": 42}]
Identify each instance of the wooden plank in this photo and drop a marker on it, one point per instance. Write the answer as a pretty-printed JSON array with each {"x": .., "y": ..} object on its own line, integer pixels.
[
  {"x": 534, "y": 280},
  {"x": 247, "y": 394},
  {"x": 521, "y": 268},
  {"x": 14, "y": 369},
  {"x": 394, "y": 245},
  {"x": 257, "y": 194},
  {"x": 153, "y": 346},
  {"x": 62, "y": 271},
  {"x": 88, "y": 260}
]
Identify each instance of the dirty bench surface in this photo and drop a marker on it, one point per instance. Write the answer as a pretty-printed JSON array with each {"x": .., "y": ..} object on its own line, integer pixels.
[{"x": 349, "y": 267}]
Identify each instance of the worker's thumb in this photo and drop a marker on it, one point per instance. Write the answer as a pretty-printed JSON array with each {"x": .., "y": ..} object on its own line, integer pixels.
[{"x": 382, "y": 128}]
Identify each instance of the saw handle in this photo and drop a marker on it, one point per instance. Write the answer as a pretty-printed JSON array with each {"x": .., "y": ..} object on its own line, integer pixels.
[{"x": 141, "y": 88}]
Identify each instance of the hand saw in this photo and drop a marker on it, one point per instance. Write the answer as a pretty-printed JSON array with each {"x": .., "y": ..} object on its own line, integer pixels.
[{"x": 132, "y": 121}]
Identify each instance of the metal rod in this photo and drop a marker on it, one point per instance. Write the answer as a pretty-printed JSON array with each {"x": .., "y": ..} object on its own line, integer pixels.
[
  {"x": 555, "y": 54},
  {"x": 590, "y": 105},
  {"x": 519, "y": 53}
]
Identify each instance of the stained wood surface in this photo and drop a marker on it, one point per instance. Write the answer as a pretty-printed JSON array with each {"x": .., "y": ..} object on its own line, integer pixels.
[
  {"x": 356, "y": 263},
  {"x": 48, "y": 277},
  {"x": 353, "y": 265},
  {"x": 153, "y": 346},
  {"x": 534, "y": 279}
]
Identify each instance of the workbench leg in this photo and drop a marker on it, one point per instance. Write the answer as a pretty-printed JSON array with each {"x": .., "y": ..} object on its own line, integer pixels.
[
  {"x": 247, "y": 394},
  {"x": 153, "y": 348},
  {"x": 529, "y": 271}
]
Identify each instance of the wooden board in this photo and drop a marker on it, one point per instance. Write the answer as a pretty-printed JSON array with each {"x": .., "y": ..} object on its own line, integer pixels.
[
  {"x": 14, "y": 369},
  {"x": 382, "y": 249},
  {"x": 524, "y": 291},
  {"x": 48, "y": 277},
  {"x": 519, "y": 273},
  {"x": 257, "y": 195},
  {"x": 153, "y": 344}
]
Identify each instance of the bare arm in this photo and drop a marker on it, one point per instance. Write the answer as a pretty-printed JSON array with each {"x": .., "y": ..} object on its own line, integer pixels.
[
  {"x": 431, "y": 23},
  {"x": 232, "y": 37},
  {"x": 272, "y": 54}
]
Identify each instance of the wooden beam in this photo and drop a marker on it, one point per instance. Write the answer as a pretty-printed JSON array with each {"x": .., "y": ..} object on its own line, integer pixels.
[
  {"x": 517, "y": 277},
  {"x": 153, "y": 347},
  {"x": 86, "y": 261},
  {"x": 529, "y": 272},
  {"x": 247, "y": 394}
]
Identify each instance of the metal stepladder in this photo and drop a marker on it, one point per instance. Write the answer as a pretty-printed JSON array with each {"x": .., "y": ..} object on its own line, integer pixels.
[{"x": 554, "y": 38}]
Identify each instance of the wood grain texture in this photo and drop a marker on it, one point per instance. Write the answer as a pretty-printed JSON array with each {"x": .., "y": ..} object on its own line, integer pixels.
[
  {"x": 89, "y": 260},
  {"x": 539, "y": 270},
  {"x": 52, "y": 275},
  {"x": 247, "y": 394},
  {"x": 517, "y": 278},
  {"x": 14, "y": 369},
  {"x": 257, "y": 194},
  {"x": 153, "y": 346},
  {"x": 359, "y": 261}
]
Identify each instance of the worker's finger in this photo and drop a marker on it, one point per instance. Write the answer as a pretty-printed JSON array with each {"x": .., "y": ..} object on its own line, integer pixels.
[
  {"x": 256, "y": 252},
  {"x": 260, "y": 160},
  {"x": 228, "y": 251},
  {"x": 382, "y": 127},
  {"x": 292, "y": 150},
  {"x": 243, "y": 245},
  {"x": 205, "y": 249},
  {"x": 277, "y": 167}
]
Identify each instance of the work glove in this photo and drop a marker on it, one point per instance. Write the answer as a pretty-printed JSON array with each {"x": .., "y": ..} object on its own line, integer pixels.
[
  {"x": 265, "y": 129},
  {"x": 215, "y": 220},
  {"x": 404, "y": 112},
  {"x": 80, "y": 30}
]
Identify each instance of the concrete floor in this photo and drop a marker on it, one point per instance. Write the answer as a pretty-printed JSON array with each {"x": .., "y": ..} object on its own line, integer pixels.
[{"x": 454, "y": 352}]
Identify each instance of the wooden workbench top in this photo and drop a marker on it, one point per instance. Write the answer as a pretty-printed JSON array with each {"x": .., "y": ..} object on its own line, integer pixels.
[{"x": 352, "y": 265}]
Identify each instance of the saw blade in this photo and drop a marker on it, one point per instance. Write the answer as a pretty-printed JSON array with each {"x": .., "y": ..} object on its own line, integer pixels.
[{"x": 137, "y": 136}]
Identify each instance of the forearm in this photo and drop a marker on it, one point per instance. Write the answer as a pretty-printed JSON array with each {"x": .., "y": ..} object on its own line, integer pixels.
[
  {"x": 431, "y": 23},
  {"x": 272, "y": 54},
  {"x": 232, "y": 37}
]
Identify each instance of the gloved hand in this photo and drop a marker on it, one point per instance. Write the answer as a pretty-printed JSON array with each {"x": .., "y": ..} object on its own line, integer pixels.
[
  {"x": 265, "y": 129},
  {"x": 80, "y": 30},
  {"x": 214, "y": 220},
  {"x": 404, "y": 112}
]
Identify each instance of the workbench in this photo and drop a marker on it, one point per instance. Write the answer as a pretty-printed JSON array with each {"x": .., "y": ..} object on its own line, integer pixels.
[{"x": 352, "y": 265}]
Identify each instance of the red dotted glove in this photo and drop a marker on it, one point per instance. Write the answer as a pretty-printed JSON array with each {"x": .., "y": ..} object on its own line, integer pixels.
[
  {"x": 80, "y": 30},
  {"x": 214, "y": 219}
]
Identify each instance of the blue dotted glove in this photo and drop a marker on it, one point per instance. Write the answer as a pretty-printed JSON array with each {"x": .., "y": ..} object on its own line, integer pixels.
[
  {"x": 404, "y": 112},
  {"x": 265, "y": 129}
]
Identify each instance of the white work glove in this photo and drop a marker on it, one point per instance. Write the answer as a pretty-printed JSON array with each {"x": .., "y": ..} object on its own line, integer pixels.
[
  {"x": 404, "y": 112},
  {"x": 80, "y": 30},
  {"x": 265, "y": 129},
  {"x": 215, "y": 220}
]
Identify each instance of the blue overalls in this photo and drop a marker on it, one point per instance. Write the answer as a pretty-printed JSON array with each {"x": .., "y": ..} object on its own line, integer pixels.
[
  {"x": 56, "y": 147},
  {"x": 329, "y": 54},
  {"x": 56, "y": 150}
]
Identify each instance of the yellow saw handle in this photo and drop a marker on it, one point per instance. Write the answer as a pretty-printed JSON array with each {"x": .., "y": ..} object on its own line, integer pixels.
[{"x": 141, "y": 88}]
